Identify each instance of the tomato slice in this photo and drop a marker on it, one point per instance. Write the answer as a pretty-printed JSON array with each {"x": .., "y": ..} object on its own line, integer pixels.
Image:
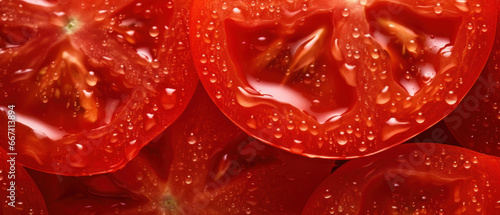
[
  {"x": 217, "y": 169},
  {"x": 339, "y": 79},
  {"x": 475, "y": 122},
  {"x": 92, "y": 81},
  {"x": 423, "y": 178},
  {"x": 23, "y": 196}
]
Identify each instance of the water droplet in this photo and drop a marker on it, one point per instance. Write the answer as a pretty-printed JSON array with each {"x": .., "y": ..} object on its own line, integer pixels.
[
  {"x": 4, "y": 17},
  {"x": 362, "y": 147},
  {"x": 203, "y": 59},
  {"x": 475, "y": 160},
  {"x": 370, "y": 135},
  {"x": 100, "y": 15},
  {"x": 277, "y": 133},
  {"x": 297, "y": 146},
  {"x": 188, "y": 179},
  {"x": 342, "y": 138},
  {"x": 438, "y": 9},
  {"x": 345, "y": 12},
  {"x": 484, "y": 29},
  {"x": 212, "y": 78},
  {"x": 45, "y": 99},
  {"x": 191, "y": 139},
  {"x": 420, "y": 118},
  {"x": 139, "y": 176},
  {"x": 327, "y": 194},
  {"x": 211, "y": 26},
  {"x": 467, "y": 165},
  {"x": 384, "y": 96},
  {"x": 91, "y": 79},
  {"x": 356, "y": 33},
  {"x": 303, "y": 126},
  {"x": 478, "y": 8},
  {"x": 451, "y": 98},
  {"x": 375, "y": 54},
  {"x": 154, "y": 31},
  {"x": 251, "y": 122},
  {"x": 412, "y": 46},
  {"x": 168, "y": 98},
  {"x": 331, "y": 210}
]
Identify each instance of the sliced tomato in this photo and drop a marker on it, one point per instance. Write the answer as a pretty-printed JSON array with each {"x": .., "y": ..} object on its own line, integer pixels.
[
  {"x": 19, "y": 193},
  {"x": 475, "y": 122},
  {"x": 92, "y": 81},
  {"x": 217, "y": 169},
  {"x": 423, "y": 178},
  {"x": 339, "y": 79}
]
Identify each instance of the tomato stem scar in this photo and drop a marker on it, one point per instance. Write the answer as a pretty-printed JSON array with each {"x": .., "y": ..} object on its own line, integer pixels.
[{"x": 71, "y": 26}]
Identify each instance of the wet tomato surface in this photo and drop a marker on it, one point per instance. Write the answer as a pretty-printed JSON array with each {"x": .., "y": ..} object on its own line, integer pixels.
[
  {"x": 202, "y": 164},
  {"x": 339, "y": 79},
  {"x": 476, "y": 120},
  {"x": 423, "y": 178},
  {"x": 92, "y": 79},
  {"x": 232, "y": 107}
]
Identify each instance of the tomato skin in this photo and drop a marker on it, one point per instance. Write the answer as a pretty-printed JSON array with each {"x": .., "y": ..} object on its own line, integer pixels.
[
  {"x": 385, "y": 110},
  {"x": 423, "y": 178},
  {"x": 27, "y": 197},
  {"x": 476, "y": 120},
  {"x": 202, "y": 164},
  {"x": 92, "y": 79}
]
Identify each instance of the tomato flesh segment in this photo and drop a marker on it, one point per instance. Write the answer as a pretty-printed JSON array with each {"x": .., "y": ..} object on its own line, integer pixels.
[
  {"x": 98, "y": 78},
  {"x": 415, "y": 48},
  {"x": 294, "y": 64}
]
